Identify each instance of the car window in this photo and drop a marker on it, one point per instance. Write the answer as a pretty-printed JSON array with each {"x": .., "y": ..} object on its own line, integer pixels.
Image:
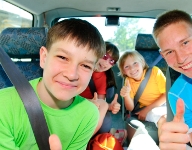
[
  {"x": 124, "y": 35},
  {"x": 12, "y": 16}
]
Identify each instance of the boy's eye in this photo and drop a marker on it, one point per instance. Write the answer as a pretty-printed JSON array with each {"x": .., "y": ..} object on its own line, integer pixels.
[
  {"x": 134, "y": 63},
  {"x": 126, "y": 67},
  {"x": 88, "y": 67},
  {"x": 62, "y": 57}
]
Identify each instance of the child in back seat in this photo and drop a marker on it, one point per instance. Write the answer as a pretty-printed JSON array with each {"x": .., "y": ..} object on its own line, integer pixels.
[{"x": 133, "y": 68}]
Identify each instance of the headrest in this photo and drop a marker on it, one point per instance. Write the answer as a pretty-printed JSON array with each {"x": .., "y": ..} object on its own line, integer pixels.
[
  {"x": 146, "y": 42},
  {"x": 23, "y": 42}
]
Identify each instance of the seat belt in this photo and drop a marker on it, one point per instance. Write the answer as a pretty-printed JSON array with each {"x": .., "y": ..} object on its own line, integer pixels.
[
  {"x": 141, "y": 89},
  {"x": 92, "y": 86},
  {"x": 144, "y": 83},
  {"x": 29, "y": 99}
]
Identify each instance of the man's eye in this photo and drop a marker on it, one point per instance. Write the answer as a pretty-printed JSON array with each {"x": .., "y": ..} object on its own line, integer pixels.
[
  {"x": 185, "y": 43},
  {"x": 169, "y": 52},
  {"x": 135, "y": 63}
]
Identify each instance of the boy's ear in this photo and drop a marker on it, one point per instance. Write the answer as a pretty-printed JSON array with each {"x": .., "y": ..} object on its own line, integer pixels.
[{"x": 43, "y": 55}]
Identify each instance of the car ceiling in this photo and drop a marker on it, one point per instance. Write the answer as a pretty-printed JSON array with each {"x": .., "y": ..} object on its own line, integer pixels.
[{"x": 145, "y": 8}]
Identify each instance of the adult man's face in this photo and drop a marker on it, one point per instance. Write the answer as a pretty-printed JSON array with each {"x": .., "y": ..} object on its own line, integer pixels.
[{"x": 175, "y": 42}]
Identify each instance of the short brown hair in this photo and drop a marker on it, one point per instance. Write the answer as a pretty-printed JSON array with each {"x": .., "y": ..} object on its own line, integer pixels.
[
  {"x": 83, "y": 32},
  {"x": 170, "y": 17}
]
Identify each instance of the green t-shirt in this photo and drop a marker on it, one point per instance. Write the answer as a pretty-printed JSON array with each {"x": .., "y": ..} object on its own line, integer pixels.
[{"x": 74, "y": 125}]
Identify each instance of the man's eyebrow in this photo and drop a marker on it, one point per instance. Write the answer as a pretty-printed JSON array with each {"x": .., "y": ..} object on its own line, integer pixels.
[{"x": 164, "y": 51}]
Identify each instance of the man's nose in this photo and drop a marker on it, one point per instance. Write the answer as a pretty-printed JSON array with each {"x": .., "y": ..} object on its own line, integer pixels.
[{"x": 180, "y": 57}]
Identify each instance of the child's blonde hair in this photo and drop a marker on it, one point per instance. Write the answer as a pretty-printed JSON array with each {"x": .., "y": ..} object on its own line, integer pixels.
[{"x": 133, "y": 54}]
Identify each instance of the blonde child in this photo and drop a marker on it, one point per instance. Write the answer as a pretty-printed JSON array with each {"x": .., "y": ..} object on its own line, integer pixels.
[{"x": 133, "y": 68}]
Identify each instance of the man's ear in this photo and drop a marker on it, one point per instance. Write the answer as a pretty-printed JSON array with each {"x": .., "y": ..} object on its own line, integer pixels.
[
  {"x": 43, "y": 56},
  {"x": 161, "y": 54}
]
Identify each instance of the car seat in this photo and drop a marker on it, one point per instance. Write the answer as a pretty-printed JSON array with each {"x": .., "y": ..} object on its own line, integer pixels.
[{"x": 22, "y": 45}]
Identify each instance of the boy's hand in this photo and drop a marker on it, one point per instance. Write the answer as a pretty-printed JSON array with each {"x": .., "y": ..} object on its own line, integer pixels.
[
  {"x": 54, "y": 142},
  {"x": 95, "y": 100},
  {"x": 125, "y": 90},
  {"x": 114, "y": 106},
  {"x": 173, "y": 135}
]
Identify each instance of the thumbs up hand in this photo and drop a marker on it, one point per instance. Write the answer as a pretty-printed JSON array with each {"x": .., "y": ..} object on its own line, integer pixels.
[
  {"x": 114, "y": 106},
  {"x": 173, "y": 135},
  {"x": 125, "y": 90},
  {"x": 54, "y": 142},
  {"x": 95, "y": 100}
]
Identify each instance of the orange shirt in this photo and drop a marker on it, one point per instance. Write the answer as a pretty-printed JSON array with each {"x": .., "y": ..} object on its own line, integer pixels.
[
  {"x": 154, "y": 88},
  {"x": 99, "y": 79}
]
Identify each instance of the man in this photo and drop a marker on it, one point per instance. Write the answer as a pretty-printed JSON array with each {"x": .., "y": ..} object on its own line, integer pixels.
[{"x": 173, "y": 34}]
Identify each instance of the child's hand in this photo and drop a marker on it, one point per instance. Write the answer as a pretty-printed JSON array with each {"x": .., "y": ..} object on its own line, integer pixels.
[
  {"x": 173, "y": 135},
  {"x": 114, "y": 106},
  {"x": 95, "y": 100},
  {"x": 54, "y": 142},
  {"x": 125, "y": 90},
  {"x": 142, "y": 114}
]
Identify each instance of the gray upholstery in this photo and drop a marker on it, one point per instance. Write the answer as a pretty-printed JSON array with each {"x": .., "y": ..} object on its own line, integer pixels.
[
  {"x": 146, "y": 46},
  {"x": 22, "y": 43}
]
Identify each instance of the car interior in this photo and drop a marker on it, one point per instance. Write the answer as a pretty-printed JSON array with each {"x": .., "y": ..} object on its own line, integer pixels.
[{"x": 127, "y": 24}]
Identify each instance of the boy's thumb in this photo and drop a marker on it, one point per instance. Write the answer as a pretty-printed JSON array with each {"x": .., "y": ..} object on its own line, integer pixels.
[
  {"x": 180, "y": 109},
  {"x": 115, "y": 98},
  {"x": 95, "y": 96},
  {"x": 54, "y": 142}
]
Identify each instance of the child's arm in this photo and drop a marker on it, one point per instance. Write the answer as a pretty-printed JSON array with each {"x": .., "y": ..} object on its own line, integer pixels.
[
  {"x": 103, "y": 107},
  {"x": 125, "y": 92},
  {"x": 143, "y": 113}
]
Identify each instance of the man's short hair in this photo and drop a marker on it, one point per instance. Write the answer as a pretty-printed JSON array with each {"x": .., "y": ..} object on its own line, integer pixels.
[{"x": 170, "y": 17}]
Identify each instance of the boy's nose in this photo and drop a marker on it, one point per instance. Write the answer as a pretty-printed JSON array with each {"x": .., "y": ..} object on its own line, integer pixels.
[{"x": 72, "y": 73}]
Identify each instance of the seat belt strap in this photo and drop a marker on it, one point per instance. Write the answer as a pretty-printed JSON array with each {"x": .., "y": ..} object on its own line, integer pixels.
[
  {"x": 29, "y": 99},
  {"x": 141, "y": 88},
  {"x": 92, "y": 86}
]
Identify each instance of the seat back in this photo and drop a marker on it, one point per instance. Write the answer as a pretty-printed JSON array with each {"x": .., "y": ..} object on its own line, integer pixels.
[
  {"x": 22, "y": 45},
  {"x": 147, "y": 47}
]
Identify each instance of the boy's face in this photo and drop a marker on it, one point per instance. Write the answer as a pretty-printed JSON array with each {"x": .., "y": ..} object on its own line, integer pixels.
[
  {"x": 175, "y": 42},
  {"x": 67, "y": 70},
  {"x": 133, "y": 68}
]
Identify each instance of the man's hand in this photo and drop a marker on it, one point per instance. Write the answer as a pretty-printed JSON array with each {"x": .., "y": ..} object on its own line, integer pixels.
[
  {"x": 54, "y": 142},
  {"x": 114, "y": 106},
  {"x": 125, "y": 90},
  {"x": 173, "y": 135}
]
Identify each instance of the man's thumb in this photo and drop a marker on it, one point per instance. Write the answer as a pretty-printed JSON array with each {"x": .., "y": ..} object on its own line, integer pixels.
[{"x": 180, "y": 109}]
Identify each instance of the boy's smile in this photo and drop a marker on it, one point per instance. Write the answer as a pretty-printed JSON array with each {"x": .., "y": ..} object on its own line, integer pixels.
[{"x": 67, "y": 71}]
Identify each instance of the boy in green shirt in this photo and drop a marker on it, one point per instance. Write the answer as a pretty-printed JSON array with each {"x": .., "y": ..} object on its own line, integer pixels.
[{"x": 72, "y": 49}]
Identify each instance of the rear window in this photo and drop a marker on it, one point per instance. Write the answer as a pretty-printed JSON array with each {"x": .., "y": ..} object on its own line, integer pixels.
[{"x": 124, "y": 35}]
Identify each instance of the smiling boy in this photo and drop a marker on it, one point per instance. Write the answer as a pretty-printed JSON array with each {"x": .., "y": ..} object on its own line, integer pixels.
[{"x": 72, "y": 49}]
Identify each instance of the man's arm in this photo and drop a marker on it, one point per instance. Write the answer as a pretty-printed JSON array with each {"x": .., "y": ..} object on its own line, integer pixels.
[{"x": 173, "y": 135}]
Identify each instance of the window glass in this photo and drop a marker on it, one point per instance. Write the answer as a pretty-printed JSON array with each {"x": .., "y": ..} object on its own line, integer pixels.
[
  {"x": 12, "y": 16},
  {"x": 124, "y": 35}
]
